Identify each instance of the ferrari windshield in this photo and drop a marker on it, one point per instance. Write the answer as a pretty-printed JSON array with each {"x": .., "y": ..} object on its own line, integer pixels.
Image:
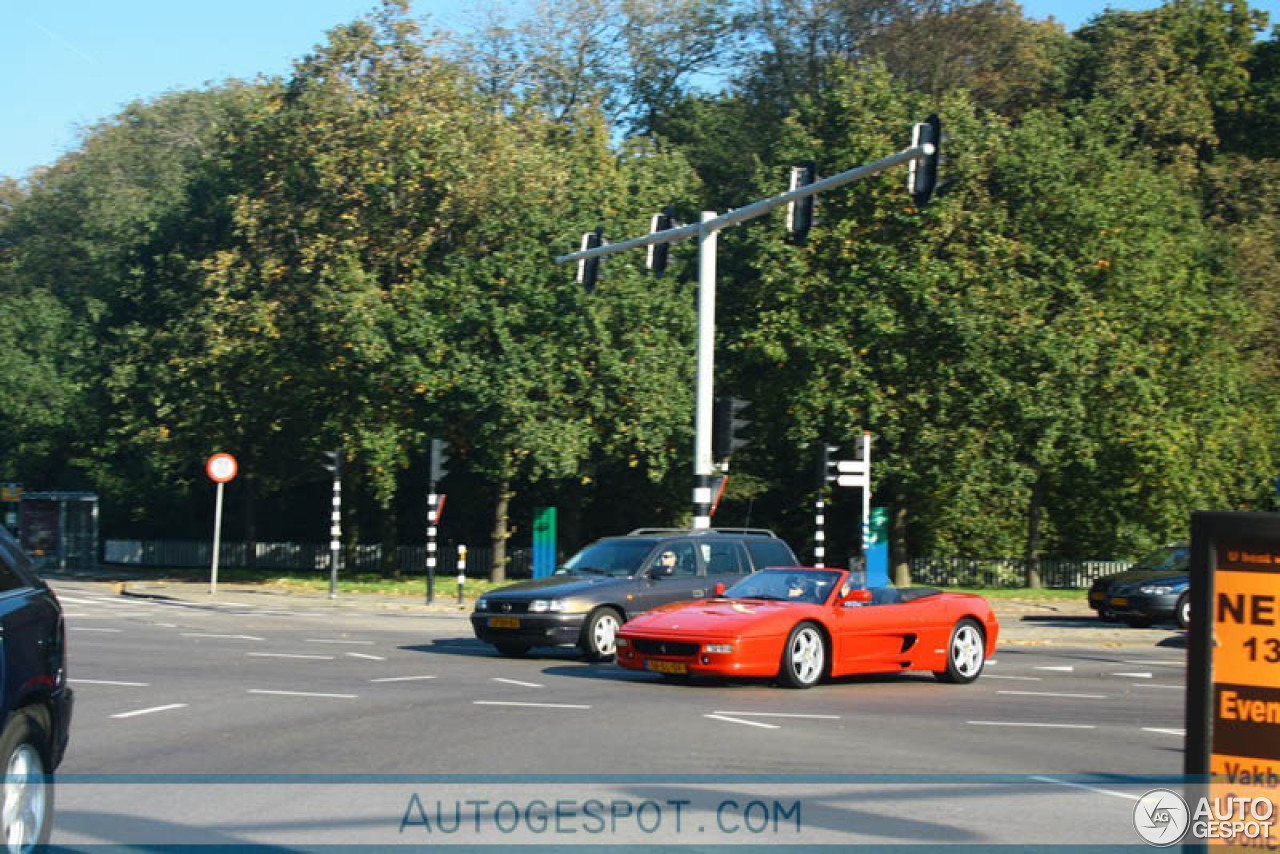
[
  {"x": 609, "y": 557},
  {"x": 812, "y": 586}
]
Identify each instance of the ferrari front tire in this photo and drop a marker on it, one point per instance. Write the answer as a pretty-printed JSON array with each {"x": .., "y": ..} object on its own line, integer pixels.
[
  {"x": 804, "y": 659},
  {"x": 966, "y": 654}
]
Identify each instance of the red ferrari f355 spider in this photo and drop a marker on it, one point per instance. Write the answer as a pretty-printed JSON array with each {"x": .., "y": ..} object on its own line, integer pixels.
[{"x": 803, "y": 624}]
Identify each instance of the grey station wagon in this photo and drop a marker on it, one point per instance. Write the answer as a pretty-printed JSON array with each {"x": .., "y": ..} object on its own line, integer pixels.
[{"x": 616, "y": 578}]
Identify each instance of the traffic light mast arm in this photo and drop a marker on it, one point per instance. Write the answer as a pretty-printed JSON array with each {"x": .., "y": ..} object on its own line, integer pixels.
[{"x": 755, "y": 209}]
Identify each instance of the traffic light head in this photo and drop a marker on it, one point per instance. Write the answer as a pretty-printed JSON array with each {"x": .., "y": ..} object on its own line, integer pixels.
[
  {"x": 439, "y": 460},
  {"x": 729, "y": 424},
  {"x": 922, "y": 177},
  {"x": 589, "y": 268},
  {"x": 333, "y": 462},
  {"x": 656, "y": 259},
  {"x": 800, "y": 212},
  {"x": 826, "y": 469}
]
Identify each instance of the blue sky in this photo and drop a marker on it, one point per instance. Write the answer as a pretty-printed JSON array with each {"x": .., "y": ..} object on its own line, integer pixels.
[{"x": 67, "y": 65}]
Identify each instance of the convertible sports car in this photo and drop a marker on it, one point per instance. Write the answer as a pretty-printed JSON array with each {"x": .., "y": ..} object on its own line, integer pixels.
[{"x": 802, "y": 624}]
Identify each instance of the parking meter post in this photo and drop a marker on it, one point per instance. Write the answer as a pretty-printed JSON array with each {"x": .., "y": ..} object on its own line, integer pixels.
[{"x": 462, "y": 570}]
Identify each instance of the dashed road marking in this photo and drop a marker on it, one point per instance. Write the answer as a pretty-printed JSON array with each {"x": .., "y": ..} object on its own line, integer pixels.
[
  {"x": 365, "y": 656},
  {"x": 1054, "y": 694},
  {"x": 151, "y": 710},
  {"x": 1018, "y": 678},
  {"x": 351, "y": 642},
  {"x": 302, "y": 694},
  {"x": 221, "y": 637},
  {"x": 95, "y": 629},
  {"x": 109, "y": 682},
  {"x": 529, "y": 705},
  {"x": 1061, "y": 668},
  {"x": 1133, "y": 675},
  {"x": 518, "y": 682},
  {"x": 1030, "y": 724},
  {"x": 1097, "y": 789},
  {"x": 733, "y": 720},
  {"x": 1165, "y": 731},
  {"x": 290, "y": 655},
  {"x": 779, "y": 715},
  {"x": 401, "y": 678}
]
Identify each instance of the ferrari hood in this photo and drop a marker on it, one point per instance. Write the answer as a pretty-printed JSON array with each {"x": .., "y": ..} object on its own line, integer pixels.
[{"x": 716, "y": 617}]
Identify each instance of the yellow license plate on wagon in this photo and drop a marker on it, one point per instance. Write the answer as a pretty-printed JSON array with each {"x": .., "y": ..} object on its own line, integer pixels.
[
  {"x": 667, "y": 666},
  {"x": 504, "y": 622},
  {"x": 1119, "y": 601}
]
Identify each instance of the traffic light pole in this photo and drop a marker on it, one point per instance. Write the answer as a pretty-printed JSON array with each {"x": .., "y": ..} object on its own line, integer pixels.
[{"x": 705, "y": 231}]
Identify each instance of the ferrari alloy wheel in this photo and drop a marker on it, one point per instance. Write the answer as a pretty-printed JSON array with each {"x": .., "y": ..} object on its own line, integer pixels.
[
  {"x": 805, "y": 657},
  {"x": 28, "y": 793},
  {"x": 966, "y": 653},
  {"x": 600, "y": 635},
  {"x": 1183, "y": 614}
]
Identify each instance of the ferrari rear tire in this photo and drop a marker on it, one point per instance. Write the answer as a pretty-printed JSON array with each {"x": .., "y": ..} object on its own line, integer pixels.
[
  {"x": 804, "y": 658},
  {"x": 966, "y": 654}
]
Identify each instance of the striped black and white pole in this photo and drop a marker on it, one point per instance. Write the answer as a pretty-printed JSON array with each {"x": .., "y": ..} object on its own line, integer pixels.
[
  {"x": 462, "y": 570},
  {"x": 819, "y": 533},
  {"x": 433, "y": 518},
  {"x": 335, "y": 535}
]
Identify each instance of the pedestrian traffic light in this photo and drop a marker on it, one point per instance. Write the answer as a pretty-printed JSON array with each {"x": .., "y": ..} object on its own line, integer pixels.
[
  {"x": 922, "y": 176},
  {"x": 656, "y": 259},
  {"x": 589, "y": 268},
  {"x": 439, "y": 461},
  {"x": 729, "y": 424},
  {"x": 800, "y": 211},
  {"x": 826, "y": 469},
  {"x": 334, "y": 463}
]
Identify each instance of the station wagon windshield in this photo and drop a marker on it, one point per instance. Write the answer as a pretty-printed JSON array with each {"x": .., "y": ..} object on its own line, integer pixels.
[{"x": 609, "y": 557}]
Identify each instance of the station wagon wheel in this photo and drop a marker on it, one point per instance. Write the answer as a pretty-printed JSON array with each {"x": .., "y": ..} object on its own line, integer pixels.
[
  {"x": 966, "y": 653},
  {"x": 1183, "y": 613},
  {"x": 28, "y": 794},
  {"x": 804, "y": 658},
  {"x": 600, "y": 634}
]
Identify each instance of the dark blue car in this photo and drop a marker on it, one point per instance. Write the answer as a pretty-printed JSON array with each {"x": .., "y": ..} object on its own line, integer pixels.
[
  {"x": 1155, "y": 590},
  {"x": 35, "y": 701}
]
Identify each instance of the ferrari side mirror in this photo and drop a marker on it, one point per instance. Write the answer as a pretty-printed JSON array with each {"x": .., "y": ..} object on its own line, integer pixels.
[
  {"x": 719, "y": 589},
  {"x": 856, "y": 597}
]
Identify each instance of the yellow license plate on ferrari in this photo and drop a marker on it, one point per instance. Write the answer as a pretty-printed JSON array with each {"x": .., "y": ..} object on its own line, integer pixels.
[
  {"x": 667, "y": 666},
  {"x": 1119, "y": 601},
  {"x": 504, "y": 622}
]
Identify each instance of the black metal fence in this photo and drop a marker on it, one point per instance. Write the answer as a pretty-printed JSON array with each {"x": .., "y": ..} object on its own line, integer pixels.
[
  {"x": 410, "y": 560},
  {"x": 1009, "y": 572}
]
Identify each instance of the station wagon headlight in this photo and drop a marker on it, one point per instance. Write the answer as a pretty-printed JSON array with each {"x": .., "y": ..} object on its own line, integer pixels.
[
  {"x": 1155, "y": 590},
  {"x": 542, "y": 606},
  {"x": 717, "y": 647}
]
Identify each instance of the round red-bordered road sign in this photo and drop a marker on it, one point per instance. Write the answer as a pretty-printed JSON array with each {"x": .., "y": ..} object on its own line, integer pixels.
[{"x": 221, "y": 468}]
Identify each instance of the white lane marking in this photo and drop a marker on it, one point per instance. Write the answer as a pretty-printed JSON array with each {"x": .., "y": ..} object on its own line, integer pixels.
[
  {"x": 1163, "y": 731},
  {"x": 518, "y": 682},
  {"x": 740, "y": 721},
  {"x": 779, "y": 715},
  {"x": 993, "y": 661},
  {"x": 1101, "y": 791},
  {"x": 401, "y": 678},
  {"x": 1018, "y": 678},
  {"x": 290, "y": 655},
  {"x": 1063, "y": 668},
  {"x": 109, "y": 682},
  {"x": 1166, "y": 687},
  {"x": 1016, "y": 723},
  {"x": 95, "y": 629},
  {"x": 1053, "y": 694},
  {"x": 1156, "y": 662},
  {"x": 65, "y": 599},
  {"x": 1132, "y": 675},
  {"x": 366, "y": 657},
  {"x": 352, "y": 642},
  {"x": 223, "y": 637},
  {"x": 530, "y": 705},
  {"x": 134, "y": 714},
  {"x": 302, "y": 694},
  {"x": 166, "y": 625}
]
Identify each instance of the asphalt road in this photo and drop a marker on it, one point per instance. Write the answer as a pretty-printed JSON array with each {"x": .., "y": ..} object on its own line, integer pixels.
[{"x": 301, "y": 725}]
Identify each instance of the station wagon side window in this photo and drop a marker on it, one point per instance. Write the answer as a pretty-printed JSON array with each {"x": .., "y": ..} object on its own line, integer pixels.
[
  {"x": 725, "y": 558},
  {"x": 767, "y": 553},
  {"x": 686, "y": 561}
]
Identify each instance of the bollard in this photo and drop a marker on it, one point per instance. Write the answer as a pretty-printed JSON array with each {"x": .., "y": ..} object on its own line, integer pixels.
[{"x": 462, "y": 570}]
